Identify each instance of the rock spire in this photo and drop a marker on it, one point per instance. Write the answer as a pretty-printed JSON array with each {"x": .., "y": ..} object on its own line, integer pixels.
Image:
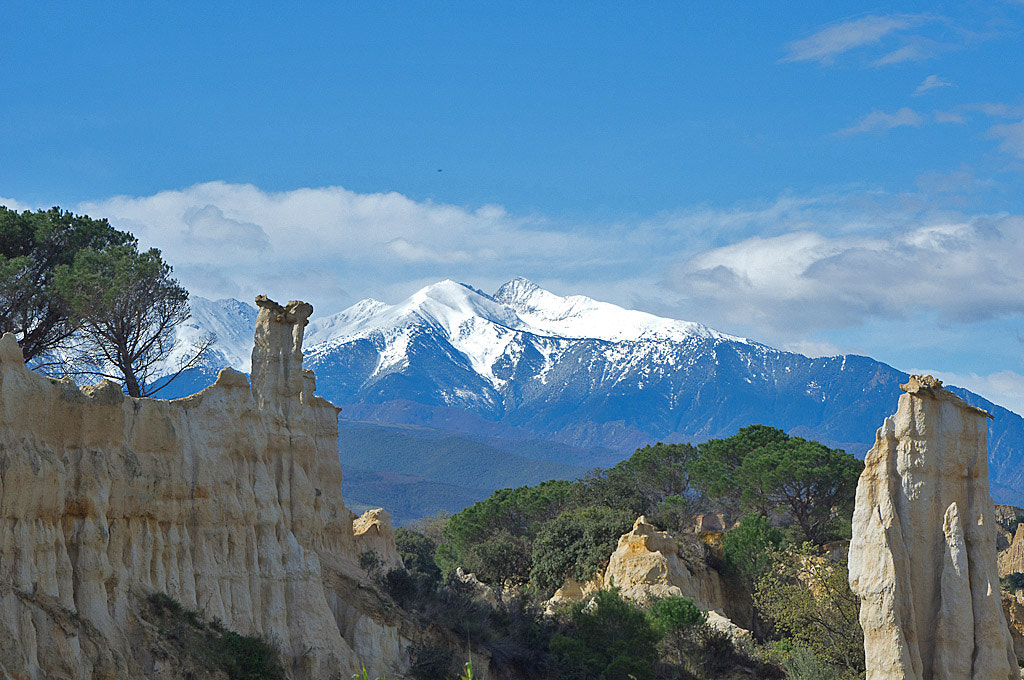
[{"x": 923, "y": 554}]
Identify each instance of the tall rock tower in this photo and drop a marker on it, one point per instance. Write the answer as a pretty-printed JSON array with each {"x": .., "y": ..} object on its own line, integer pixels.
[{"x": 923, "y": 555}]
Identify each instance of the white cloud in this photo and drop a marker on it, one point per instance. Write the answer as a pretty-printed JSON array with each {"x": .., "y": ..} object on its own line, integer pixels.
[
  {"x": 930, "y": 83},
  {"x": 328, "y": 244},
  {"x": 12, "y": 204},
  {"x": 828, "y": 43},
  {"x": 879, "y": 121},
  {"x": 1005, "y": 388},
  {"x": 1012, "y": 136},
  {"x": 813, "y": 348},
  {"x": 965, "y": 270}
]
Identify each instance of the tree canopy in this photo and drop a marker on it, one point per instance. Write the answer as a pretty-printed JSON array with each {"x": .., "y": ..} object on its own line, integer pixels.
[
  {"x": 127, "y": 307},
  {"x": 83, "y": 300},
  {"x": 33, "y": 245},
  {"x": 767, "y": 470}
]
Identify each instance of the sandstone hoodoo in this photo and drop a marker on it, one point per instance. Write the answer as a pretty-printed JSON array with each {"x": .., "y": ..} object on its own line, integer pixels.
[
  {"x": 923, "y": 554},
  {"x": 227, "y": 501}
]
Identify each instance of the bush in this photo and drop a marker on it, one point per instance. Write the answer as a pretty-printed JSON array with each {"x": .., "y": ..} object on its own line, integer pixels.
[
  {"x": 576, "y": 544},
  {"x": 674, "y": 613},
  {"x": 1013, "y": 582},
  {"x": 429, "y": 662},
  {"x": 802, "y": 664},
  {"x": 610, "y": 639},
  {"x": 808, "y": 599},
  {"x": 417, "y": 551},
  {"x": 745, "y": 548},
  {"x": 241, "y": 657}
]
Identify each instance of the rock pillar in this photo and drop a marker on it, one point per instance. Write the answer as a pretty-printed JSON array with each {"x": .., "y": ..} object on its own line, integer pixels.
[
  {"x": 923, "y": 554},
  {"x": 277, "y": 377}
]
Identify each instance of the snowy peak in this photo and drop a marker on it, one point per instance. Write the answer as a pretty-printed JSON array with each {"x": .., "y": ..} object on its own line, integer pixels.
[
  {"x": 578, "y": 316},
  {"x": 448, "y": 305},
  {"x": 453, "y": 308},
  {"x": 230, "y": 320}
]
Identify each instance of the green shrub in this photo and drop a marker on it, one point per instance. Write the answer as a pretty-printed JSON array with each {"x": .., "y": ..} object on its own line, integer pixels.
[
  {"x": 609, "y": 639},
  {"x": 576, "y": 544},
  {"x": 241, "y": 657},
  {"x": 746, "y": 547},
  {"x": 807, "y": 598},
  {"x": 674, "y": 613},
  {"x": 1014, "y": 581},
  {"x": 802, "y": 664}
]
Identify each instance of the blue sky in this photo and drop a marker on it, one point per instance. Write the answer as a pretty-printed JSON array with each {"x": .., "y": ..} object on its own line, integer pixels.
[{"x": 825, "y": 177}]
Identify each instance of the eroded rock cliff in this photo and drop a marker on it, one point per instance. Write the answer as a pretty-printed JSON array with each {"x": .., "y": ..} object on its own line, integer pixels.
[
  {"x": 923, "y": 555},
  {"x": 228, "y": 501}
]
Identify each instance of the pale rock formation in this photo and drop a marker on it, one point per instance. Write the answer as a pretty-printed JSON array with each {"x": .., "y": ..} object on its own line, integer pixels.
[
  {"x": 922, "y": 558},
  {"x": 373, "y": 533},
  {"x": 647, "y": 563},
  {"x": 1011, "y": 560},
  {"x": 1013, "y": 610},
  {"x": 720, "y": 622},
  {"x": 228, "y": 501},
  {"x": 574, "y": 591}
]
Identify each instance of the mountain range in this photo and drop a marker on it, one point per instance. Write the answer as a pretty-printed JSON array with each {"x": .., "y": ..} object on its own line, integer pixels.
[{"x": 583, "y": 381}]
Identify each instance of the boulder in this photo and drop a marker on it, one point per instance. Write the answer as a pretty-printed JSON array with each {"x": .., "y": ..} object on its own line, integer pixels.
[
  {"x": 647, "y": 563},
  {"x": 923, "y": 557}
]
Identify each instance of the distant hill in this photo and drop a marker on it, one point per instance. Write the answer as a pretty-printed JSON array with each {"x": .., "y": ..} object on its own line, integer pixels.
[{"x": 416, "y": 471}]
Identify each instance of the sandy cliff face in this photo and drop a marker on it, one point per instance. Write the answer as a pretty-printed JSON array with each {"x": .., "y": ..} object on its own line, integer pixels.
[
  {"x": 228, "y": 501},
  {"x": 922, "y": 558}
]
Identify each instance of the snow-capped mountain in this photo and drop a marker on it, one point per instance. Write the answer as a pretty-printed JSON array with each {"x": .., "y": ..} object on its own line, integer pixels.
[
  {"x": 526, "y": 363},
  {"x": 230, "y": 321}
]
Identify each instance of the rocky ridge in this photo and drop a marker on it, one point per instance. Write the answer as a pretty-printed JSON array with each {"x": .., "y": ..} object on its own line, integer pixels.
[{"x": 228, "y": 501}]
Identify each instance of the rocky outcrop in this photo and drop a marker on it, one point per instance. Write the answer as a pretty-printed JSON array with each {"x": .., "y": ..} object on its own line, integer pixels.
[
  {"x": 574, "y": 591},
  {"x": 922, "y": 558},
  {"x": 647, "y": 563},
  {"x": 1011, "y": 559},
  {"x": 227, "y": 501},
  {"x": 373, "y": 534},
  {"x": 1013, "y": 610}
]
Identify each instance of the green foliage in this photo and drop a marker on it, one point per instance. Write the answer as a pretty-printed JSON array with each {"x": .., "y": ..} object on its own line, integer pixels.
[
  {"x": 502, "y": 560},
  {"x": 671, "y": 614},
  {"x": 610, "y": 640},
  {"x": 576, "y": 544},
  {"x": 1013, "y": 582},
  {"x": 241, "y": 657},
  {"x": 127, "y": 307},
  {"x": 808, "y": 599},
  {"x": 32, "y": 246},
  {"x": 766, "y": 470},
  {"x": 417, "y": 551},
  {"x": 518, "y": 513},
  {"x": 651, "y": 482},
  {"x": 802, "y": 664},
  {"x": 746, "y": 548}
]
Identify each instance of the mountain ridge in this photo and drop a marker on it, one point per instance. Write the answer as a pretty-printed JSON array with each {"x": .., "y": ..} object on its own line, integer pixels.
[{"x": 528, "y": 363}]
